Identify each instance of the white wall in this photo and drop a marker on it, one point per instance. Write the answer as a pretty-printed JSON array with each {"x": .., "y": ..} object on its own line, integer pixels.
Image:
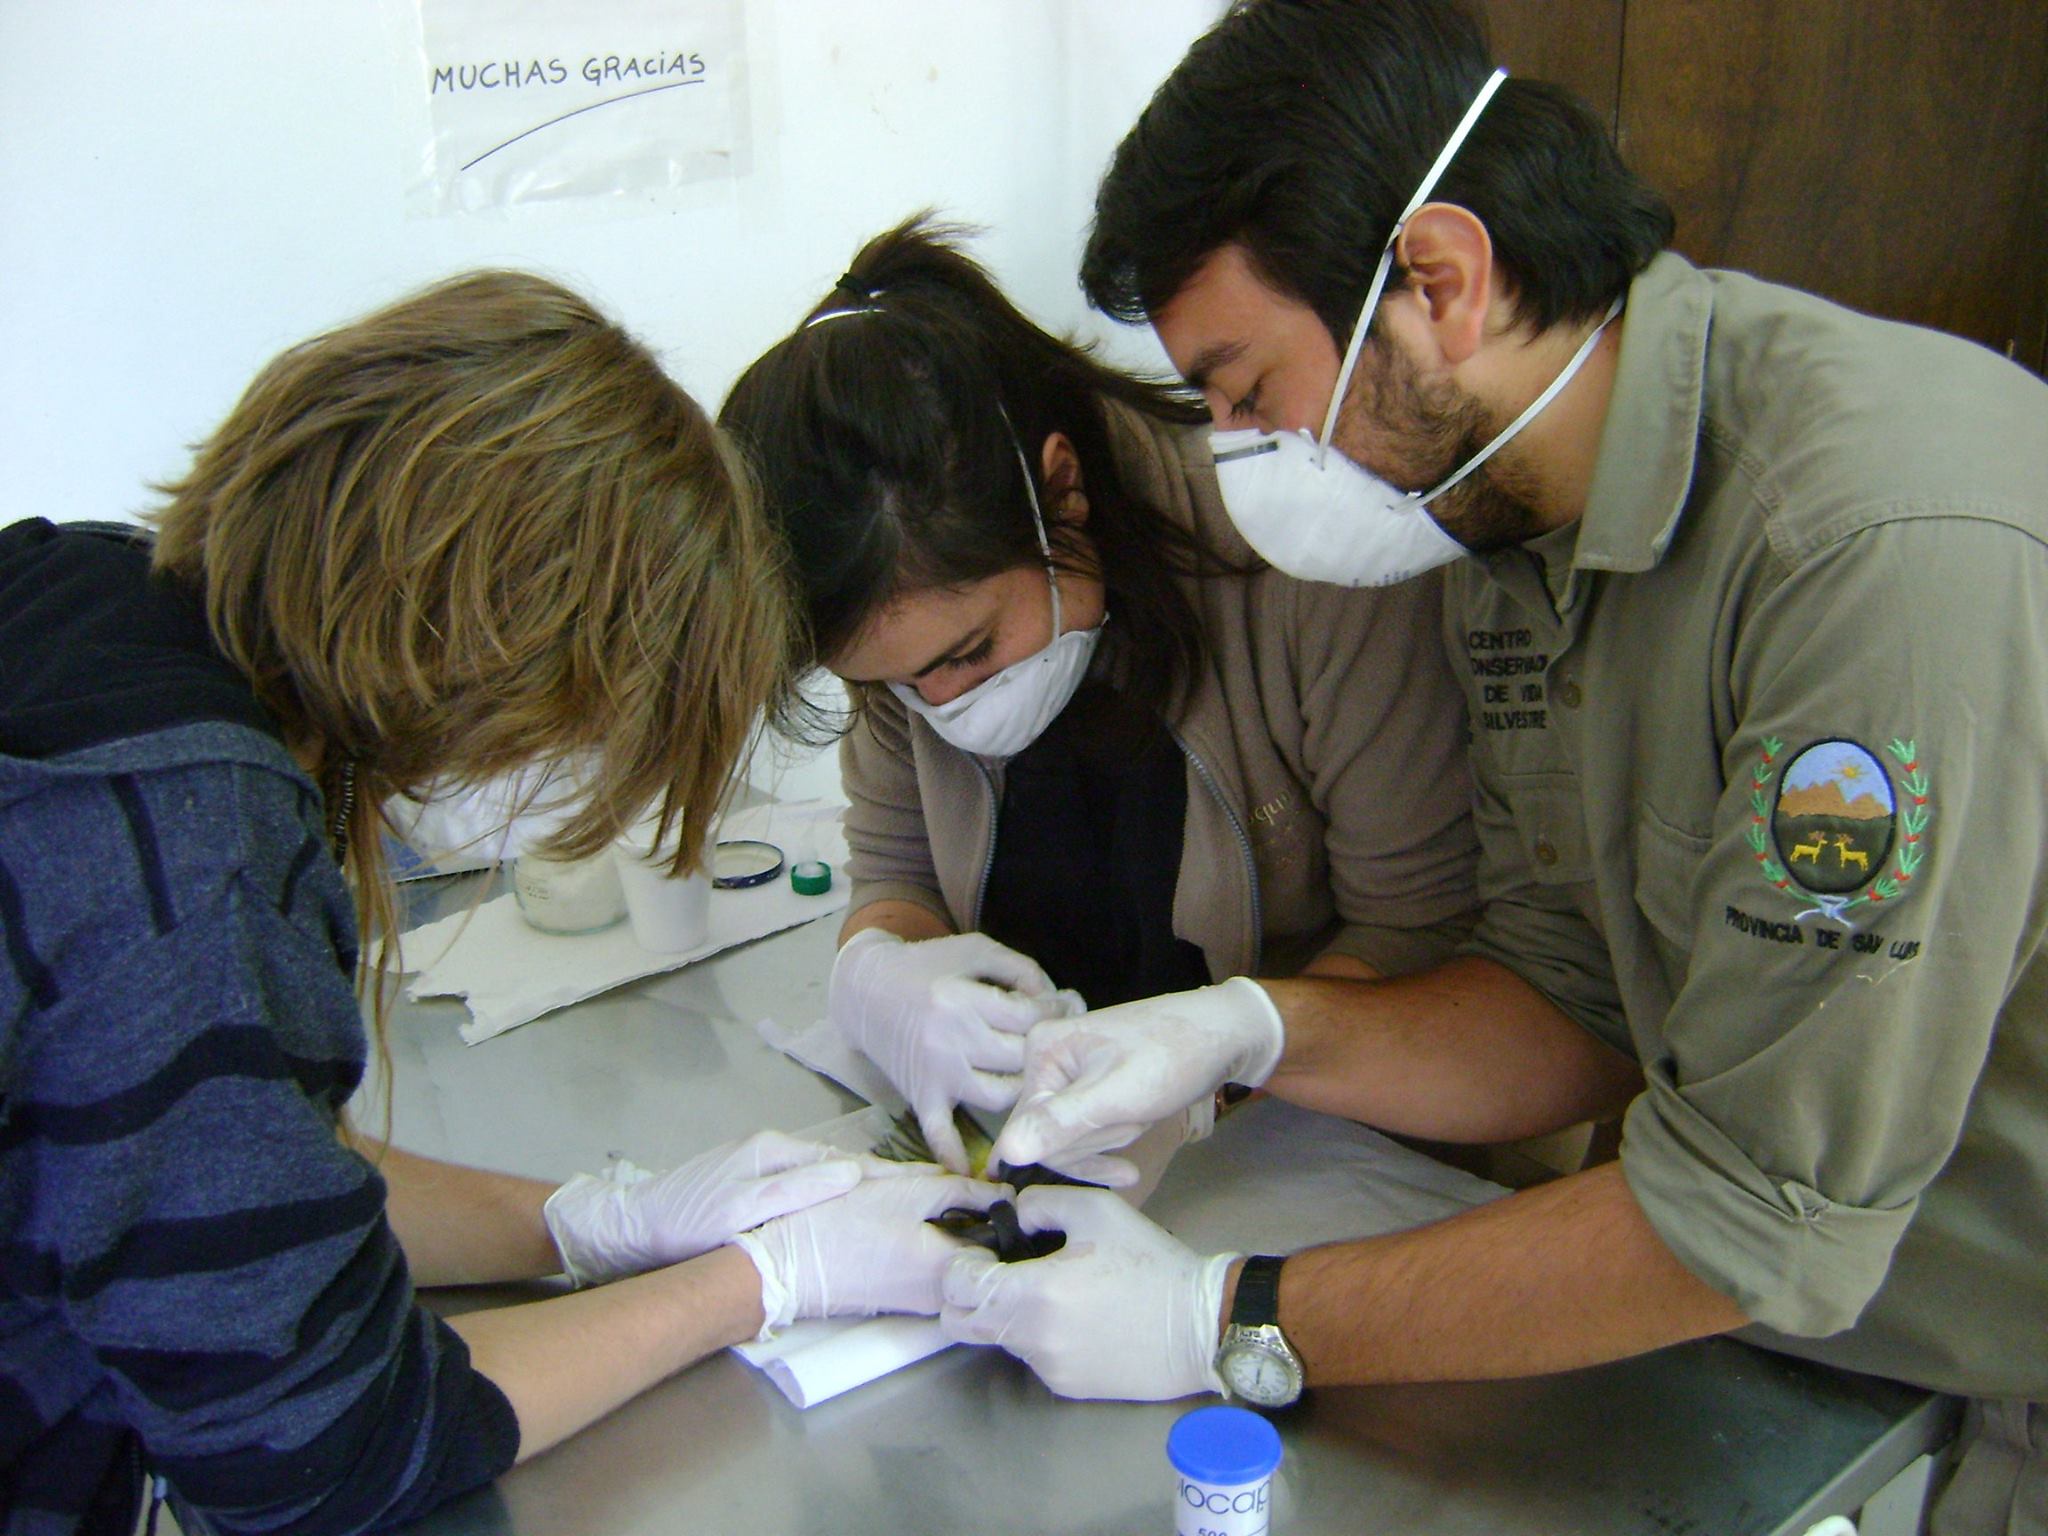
[{"x": 188, "y": 186}]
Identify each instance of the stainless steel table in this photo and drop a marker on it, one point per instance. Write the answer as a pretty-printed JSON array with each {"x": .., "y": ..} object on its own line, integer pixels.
[{"x": 1711, "y": 1439}]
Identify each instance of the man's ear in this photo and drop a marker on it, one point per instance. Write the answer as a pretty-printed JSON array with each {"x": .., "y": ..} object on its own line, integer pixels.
[
  {"x": 1448, "y": 256},
  {"x": 1066, "y": 498}
]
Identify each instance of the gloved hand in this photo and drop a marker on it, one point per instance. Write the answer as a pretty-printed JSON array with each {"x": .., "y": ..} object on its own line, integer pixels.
[
  {"x": 1124, "y": 1310},
  {"x": 605, "y": 1229},
  {"x": 1093, "y": 1083},
  {"x": 945, "y": 1019},
  {"x": 1152, "y": 1153},
  {"x": 868, "y": 1251}
]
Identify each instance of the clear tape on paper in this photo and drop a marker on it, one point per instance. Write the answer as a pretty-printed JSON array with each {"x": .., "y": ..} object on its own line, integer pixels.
[{"x": 613, "y": 104}]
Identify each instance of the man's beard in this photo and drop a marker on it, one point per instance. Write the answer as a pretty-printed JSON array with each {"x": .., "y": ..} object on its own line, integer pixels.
[{"x": 1424, "y": 430}]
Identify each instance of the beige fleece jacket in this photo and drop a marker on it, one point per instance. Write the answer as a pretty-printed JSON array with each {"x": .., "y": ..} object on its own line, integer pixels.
[{"x": 1328, "y": 806}]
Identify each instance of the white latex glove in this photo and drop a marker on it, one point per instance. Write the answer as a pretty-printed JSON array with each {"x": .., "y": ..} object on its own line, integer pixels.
[
  {"x": 605, "y": 1229},
  {"x": 945, "y": 1019},
  {"x": 1153, "y": 1152},
  {"x": 1124, "y": 1310},
  {"x": 1092, "y": 1084},
  {"x": 866, "y": 1252}
]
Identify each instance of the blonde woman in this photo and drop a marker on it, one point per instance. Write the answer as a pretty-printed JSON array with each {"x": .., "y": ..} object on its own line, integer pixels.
[{"x": 475, "y": 530}]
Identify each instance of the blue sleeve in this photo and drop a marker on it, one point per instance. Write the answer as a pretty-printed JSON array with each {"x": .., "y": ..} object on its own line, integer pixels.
[{"x": 211, "y": 1244}]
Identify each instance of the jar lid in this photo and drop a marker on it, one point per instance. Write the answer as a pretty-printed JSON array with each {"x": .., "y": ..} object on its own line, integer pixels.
[
  {"x": 741, "y": 862},
  {"x": 1223, "y": 1445}
]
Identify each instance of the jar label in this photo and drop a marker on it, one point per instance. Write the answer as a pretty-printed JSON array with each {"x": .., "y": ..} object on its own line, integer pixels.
[{"x": 1219, "y": 1509}]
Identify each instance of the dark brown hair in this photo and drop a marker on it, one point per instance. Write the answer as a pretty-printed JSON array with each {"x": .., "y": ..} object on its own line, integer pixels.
[
  {"x": 1297, "y": 129},
  {"x": 885, "y": 434}
]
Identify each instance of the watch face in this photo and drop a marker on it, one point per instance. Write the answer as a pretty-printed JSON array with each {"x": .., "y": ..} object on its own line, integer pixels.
[{"x": 1260, "y": 1373}]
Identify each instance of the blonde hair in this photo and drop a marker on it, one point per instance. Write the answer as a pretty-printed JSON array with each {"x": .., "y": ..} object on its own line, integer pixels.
[{"x": 480, "y": 529}]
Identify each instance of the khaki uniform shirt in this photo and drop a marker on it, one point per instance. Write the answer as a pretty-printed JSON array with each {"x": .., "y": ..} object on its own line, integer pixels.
[
  {"x": 1327, "y": 802},
  {"x": 1759, "y": 750}
]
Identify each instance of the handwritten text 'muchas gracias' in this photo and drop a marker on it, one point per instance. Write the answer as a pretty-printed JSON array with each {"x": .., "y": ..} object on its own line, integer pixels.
[{"x": 598, "y": 69}]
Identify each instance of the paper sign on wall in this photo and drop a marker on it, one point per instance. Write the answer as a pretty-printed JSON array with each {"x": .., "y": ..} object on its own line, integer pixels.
[{"x": 615, "y": 101}]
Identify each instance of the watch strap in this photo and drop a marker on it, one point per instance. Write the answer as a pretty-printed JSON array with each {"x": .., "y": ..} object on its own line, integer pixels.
[{"x": 1257, "y": 1302}]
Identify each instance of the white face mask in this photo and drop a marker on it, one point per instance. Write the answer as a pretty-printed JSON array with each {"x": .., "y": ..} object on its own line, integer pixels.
[
  {"x": 1312, "y": 513},
  {"x": 497, "y": 821},
  {"x": 1008, "y": 710}
]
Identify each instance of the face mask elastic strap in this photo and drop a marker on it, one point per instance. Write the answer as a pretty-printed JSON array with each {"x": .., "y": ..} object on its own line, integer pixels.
[
  {"x": 1037, "y": 515},
  {"x": 1379, "y": 279},
  {"x": 1357, "y": 345},
  {"x": 1534, "y": 408},
  {"x": 1037, "y": 518},
  {"x": 1031, "y": 490}
]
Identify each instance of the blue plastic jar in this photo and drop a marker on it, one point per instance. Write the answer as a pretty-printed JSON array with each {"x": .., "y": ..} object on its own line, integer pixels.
[{"x": 1223, "y": 1459}]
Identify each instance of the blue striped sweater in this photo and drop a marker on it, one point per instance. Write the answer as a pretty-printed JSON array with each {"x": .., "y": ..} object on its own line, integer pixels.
[{"x": 196, "y": 1276}]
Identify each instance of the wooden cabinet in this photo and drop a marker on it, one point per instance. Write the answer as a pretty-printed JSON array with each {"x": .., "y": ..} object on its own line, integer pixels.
[{"x": 1891, "y": 154}]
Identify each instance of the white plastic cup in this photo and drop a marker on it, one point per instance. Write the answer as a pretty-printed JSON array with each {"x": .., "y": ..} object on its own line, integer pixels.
[
  {"x": 668, "y": 915},
  {"x": 1223, "y": 1460}
]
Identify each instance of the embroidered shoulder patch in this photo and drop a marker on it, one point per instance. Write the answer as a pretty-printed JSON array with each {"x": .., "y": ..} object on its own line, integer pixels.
[{"x": 1835, "y": 827}]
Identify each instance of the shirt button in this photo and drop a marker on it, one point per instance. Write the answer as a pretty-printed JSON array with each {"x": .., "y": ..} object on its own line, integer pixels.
[
  {"x": 1546, "y": 852},
  {"x": 1568, "y": 694}
]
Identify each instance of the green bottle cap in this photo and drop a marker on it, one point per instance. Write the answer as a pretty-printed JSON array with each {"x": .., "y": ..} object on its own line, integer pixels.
[{"x": 813, "y": 877}]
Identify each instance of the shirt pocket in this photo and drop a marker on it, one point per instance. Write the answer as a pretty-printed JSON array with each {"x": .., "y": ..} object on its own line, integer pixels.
[
  {"x": 1668, "y": 864},
  {"x": 1551, "y": 827}
]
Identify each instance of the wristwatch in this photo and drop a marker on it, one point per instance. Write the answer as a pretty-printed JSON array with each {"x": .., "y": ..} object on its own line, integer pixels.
[{"x": 1254, "y": 1358}]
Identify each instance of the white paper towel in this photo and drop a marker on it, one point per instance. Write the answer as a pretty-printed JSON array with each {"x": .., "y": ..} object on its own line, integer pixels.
[
  {"x": 815, "y": 1360},
  {"x": 824, "y": 1050},
  {"x": 508, "y": 972}
]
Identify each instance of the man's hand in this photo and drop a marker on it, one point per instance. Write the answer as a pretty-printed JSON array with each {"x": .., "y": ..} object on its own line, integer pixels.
[
  {"x": 945, "y": 1019},
  {"x": 1092, "y": 1084},
  {"x": 1124, "y": 1310},
  {"x": 605, "y": 1229}
]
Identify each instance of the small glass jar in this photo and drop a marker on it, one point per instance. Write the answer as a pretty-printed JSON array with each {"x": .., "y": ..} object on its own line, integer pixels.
[{"x": 568, "y": 895}]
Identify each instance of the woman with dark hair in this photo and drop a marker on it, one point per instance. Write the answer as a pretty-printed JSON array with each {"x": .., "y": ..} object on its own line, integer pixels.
[{"x": 1099, "y": 749}]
